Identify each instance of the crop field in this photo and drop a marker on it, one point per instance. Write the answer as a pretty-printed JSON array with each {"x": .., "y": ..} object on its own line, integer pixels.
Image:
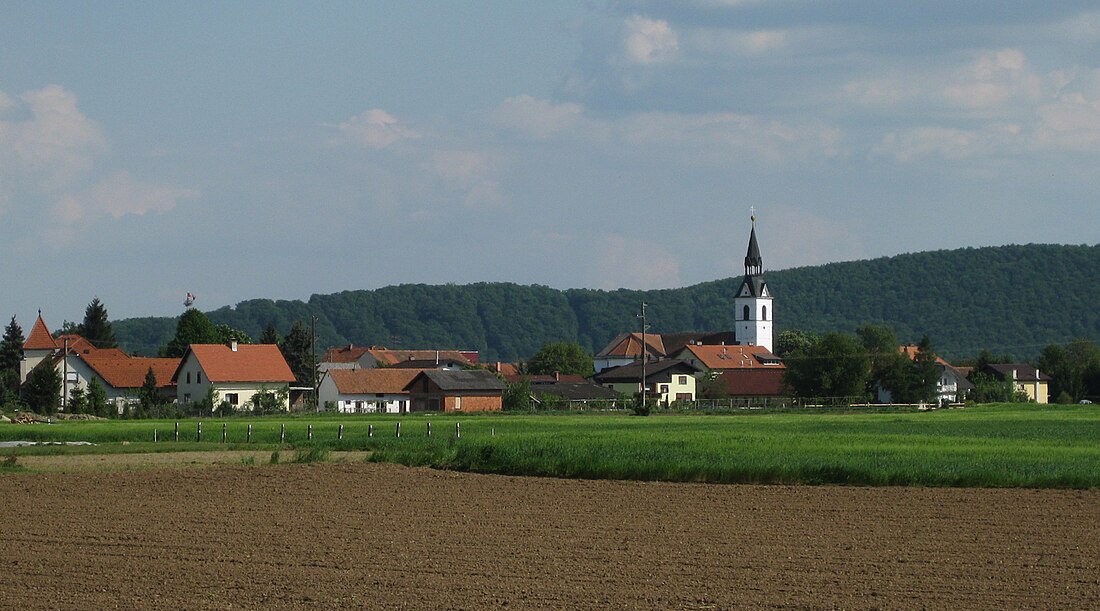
[
  {"x": 368, "y": 535},
  {"x": 989, "y": 446},
  {"x": 212, "y": 525}
]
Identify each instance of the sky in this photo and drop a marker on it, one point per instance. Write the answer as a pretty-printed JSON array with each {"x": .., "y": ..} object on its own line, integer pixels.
[{"x": 242, "y": 150}]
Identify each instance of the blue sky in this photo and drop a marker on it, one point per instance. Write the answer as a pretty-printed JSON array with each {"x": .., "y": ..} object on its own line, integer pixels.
[{"x": 242, "y": 150}]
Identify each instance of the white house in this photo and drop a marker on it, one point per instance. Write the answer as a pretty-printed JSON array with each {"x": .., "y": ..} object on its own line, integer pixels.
[
  {"x": 359, "y": 391},
  {"x": 235, "y": 372}
]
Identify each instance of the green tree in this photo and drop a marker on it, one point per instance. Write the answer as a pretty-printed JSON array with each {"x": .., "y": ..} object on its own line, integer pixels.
[
  {"x": 193, "y": 327},
  {"x": 11, "y": 356},
  {"x": 270, "y": 335},
  {"x": 989, "y": 389},
  {"x": 149, "y": 397},
  {"x": 78, "y": 401},
  {"x": 790, "y": 340},
  {"x": 297, "y": 349},
  {"x": 517, "y": 396},
  {"x": 227, "y": 334},
  {"x": 888, "y": 366},
  {"x": 561, "y": 357},
  {"x": 922, "y": 374},
  {"x": 42, "y": 390},
  {"x": 1072, "y": 368},
  {"x": 833, "y": 367},
  {"x": 97, "y": 400},
  {"x": 96, "y": 327}
]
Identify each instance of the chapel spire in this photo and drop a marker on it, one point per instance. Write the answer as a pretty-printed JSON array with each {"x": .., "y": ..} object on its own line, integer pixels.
[{"x": 754, "y": 264}]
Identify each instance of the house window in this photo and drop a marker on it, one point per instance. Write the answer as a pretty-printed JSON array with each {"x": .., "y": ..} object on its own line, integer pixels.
[
  {"x": 764, "y": 313},
  {"x": 683, "y": 380},
  {"x": 745, "y": 313},
  {"x": 188, "y": 377},
  {"x": 198, "y": 377},
  {"x": 231, "y": 398},
  {"x": 664, "y": 388}
]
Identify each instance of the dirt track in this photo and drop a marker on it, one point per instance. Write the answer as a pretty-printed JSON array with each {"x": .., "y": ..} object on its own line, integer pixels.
[{"x": 361, "y": 535}]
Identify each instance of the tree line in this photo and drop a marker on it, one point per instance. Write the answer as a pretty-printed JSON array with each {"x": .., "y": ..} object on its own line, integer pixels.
[{"x": 1008, "y": 299}]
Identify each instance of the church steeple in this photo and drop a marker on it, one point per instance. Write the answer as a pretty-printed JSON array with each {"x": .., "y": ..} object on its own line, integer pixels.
[
  {"x": 753, "y": 303},
  {"x": 754, "y": 264}
]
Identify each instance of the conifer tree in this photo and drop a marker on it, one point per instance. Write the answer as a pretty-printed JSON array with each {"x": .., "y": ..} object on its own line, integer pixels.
[
  {"x": 96, "y": 328},
  {"x": 193, "y": 327},
  {"x": 42, "y": 390},
  {"x": 297, "y": 349},
  {"x": 11, "y": 355}
]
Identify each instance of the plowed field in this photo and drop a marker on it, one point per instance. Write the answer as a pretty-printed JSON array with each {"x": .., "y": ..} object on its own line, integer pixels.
[{"x": 382, "y": 536}]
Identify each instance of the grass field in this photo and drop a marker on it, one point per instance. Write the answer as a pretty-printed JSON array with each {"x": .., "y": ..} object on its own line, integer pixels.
[{"x": 987, "y": 446}]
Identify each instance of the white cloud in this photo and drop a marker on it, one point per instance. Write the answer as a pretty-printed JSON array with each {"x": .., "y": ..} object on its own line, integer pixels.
[
  {"x": 375, "y": 129},
  {"x": 796, "y": 236},
  {"x": 624, "y": 262},
  {"x": 649, "y": 41},
  {"x": 950, "y": 143},
  {"x": 471, "y": 174},
  {"x": 119, "y": 195},
  {"x": 738, "y": 42},
  {"x": 732, "y": 136},
  {"x": 538, "y": 119},
  {"x": 55, "y": 145}
]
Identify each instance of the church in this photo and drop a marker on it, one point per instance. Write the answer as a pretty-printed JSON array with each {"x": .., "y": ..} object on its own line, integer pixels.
[{"x": 753, "y": 312}]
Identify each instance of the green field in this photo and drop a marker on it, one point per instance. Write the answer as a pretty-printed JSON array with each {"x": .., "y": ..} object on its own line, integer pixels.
[{"x": 990, "y": 446}]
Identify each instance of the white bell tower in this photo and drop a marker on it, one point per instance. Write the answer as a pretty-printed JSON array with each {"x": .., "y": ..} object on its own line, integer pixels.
[{"x": 753, "y": 303}]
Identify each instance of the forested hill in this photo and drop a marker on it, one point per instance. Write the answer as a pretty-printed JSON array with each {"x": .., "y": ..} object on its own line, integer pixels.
[{"x": 1009, "y": 299}]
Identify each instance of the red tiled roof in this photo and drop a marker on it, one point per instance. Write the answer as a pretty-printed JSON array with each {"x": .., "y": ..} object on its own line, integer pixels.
[
  {"x": 911, "y": 350},
  {"x": 629, "y": 345},
  {"x": 79, "y": 345},
  {"x": 344, "y": 354},
  {"x": 757, "y": 382},
  {"x": 734, "y": 357},
  {"x": 248, "y": 363},
  {"x": 390, "y": 357},
  {"x": 40, "y": 338},
  {"x": 129, "y": 372},
  {"x": 504, "y": 369},
  {"x": 372, "y": 381}
]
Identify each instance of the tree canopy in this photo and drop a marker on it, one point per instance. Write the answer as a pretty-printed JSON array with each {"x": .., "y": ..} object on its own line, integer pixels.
[
  {"x": 561, "y": 357},
  {"x": 96, "y": 327}
]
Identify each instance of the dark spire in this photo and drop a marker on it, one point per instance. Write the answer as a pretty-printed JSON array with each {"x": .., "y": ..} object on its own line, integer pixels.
[{"x": 754, "y": 265}]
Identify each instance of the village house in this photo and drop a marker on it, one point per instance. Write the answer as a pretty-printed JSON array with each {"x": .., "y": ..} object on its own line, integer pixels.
[
  {"x": 370, "y": 357},
  {"x": 472, "y": 390},
  {"x": 79, "y": 362},
  {"x": 665, "y": 381},
  {"x": 1025, "y": 379},
  {"x": 366, "y": 391},
  {"x": 233, "y": 373}
]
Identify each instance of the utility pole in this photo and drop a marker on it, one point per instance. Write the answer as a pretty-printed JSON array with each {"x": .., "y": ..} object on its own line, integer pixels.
[
  {"x": 65, "y": 377},
  {"x": 313, "y": 362},
  {"x": 645, "y": 352}
]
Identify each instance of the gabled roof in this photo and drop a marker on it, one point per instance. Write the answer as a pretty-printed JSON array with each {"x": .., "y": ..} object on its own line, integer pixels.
[
  {"x": 757, "y": 382},
  {"x": 40, "y": 338},
  {"x": 733, "y": 357},
  {"x": 575, "y": 391},
  {"x": 633, "y": 371},
  {"x": 468, "y": 379},
  {"x": 344, "y": 354},
  {"x": 387, "y": 380},
  {"x": 248, "y": 363},
  {"x": 392, "y": 357},
  {"x": 629, "y": 345},
  {"x": 129, "y": 372},
  {"x": 911, "y": 350},
  {"x": 78, "y": 345},
  {"x": 1019, "y": 372}
]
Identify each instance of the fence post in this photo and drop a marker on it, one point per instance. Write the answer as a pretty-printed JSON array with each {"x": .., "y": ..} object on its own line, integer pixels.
[
  {"x": 154, "y": 435},
  {"x": 177, "y": 431},
  {"x": 309, "y": 432},
  {"x": 249, "y": 433},
  {"x": 458, "y": 429},
  {"x": 398, "y": 429},
  {"x": 493, "y": 432},
  {"x": 198, "y": 432},
  {"x": 370, "y": 430},
  {"x": 429, "y": 429},
  {"x": 340, "y": 433},
  {"x": 282, "y": 433},
  {"x": 223, "y": 433}
]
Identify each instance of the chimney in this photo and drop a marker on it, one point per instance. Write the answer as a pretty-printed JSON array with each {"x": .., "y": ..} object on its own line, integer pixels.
[{"x": 233, "y": 345}]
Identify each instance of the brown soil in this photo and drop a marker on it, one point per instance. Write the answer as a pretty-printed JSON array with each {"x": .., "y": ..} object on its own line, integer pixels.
[{"x": 358, "y": 535}]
